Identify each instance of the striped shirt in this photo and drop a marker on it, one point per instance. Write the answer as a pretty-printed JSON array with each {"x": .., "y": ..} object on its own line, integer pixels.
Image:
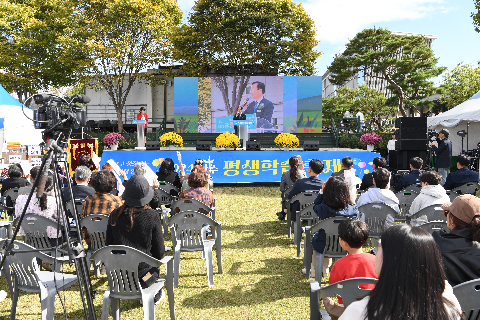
[{"x": 101, "y": 203}]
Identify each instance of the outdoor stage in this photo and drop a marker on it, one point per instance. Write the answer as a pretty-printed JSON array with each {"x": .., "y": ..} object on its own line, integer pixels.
[{"x": 244, "y": 166}]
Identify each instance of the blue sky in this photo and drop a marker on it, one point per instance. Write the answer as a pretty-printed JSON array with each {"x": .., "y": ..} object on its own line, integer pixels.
[{"x": 338, "y": 21}]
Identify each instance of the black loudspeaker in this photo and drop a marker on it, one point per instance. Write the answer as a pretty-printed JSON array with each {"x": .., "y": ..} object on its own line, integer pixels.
[
  {"x": 410, "y": 122},
  {"x": 411, "y": 144},
  {"x": 253, "y": 146},
  {"x": 400, "y": 160},
  {"x": 311, "y": 145},
  {"x": 204, "y": 145},
  {"x": 152, "y": 145}
]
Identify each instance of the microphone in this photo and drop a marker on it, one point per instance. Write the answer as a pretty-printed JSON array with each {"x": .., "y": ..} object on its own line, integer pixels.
[{"x": 244, "y": 105}]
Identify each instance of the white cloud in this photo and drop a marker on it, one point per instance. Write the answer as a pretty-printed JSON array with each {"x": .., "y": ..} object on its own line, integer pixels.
[{"x": 338, "y": 21}]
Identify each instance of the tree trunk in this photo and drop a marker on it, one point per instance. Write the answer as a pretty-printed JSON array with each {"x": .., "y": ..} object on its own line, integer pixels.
[
  {"x": 400, "y": 94},
  {"x": 120, "y": 120}
]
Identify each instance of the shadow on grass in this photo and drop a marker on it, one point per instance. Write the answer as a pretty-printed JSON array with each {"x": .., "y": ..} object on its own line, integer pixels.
[
  {"x": 248, "y": 191},
  {"x": 262, "y": 234},
  {"x": 268, "y": 289}
]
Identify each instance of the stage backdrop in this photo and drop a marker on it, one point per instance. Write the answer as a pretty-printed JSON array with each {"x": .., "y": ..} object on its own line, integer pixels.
[
  {"x": 289, "y": 103},
  {"x": 243, "y": 166}
]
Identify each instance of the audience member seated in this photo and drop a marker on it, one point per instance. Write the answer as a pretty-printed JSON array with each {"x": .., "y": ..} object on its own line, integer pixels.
[
  {"x": 411, "y": 280},
  {"x": 86, "y": 161},
  {"x": 197, "y": 180},
  {"x": 432, "y": 192},
  {"x": 140, "y": 169},
  {"x": 413, "y": 177},
  {"x": 460, "y": 248},
  {"x": 312, "y": 183},
  {"x": 332, "y": 201},
  {"x": 462, "y": 175},
  {"x": 82, "y": 189},
  {"x": 33, "y": 174},
  {"x": 136, "y": 225},
  {"x": 351, "y": 179},
  {"x": 167, "y": 173},
  {"x": 119, "y": 188},
  {"x": 352, "y": 234},
  {"x": 381, "y": 193},
  {"x": 291, "y": 176},
  {"x": 184, "y": 177},
  {"x": 14, "y": 180},
  {"x": 102, "y": 202},
  {"x": 367, "y": 180},
  {"x": 46, "y": 206}
]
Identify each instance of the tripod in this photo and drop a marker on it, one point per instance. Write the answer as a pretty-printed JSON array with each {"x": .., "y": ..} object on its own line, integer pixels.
[{"x": 74, "y": 247}]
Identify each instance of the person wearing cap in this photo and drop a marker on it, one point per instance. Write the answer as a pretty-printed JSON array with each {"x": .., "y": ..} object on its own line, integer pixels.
[
  {"x": 462, "y": 175},
  {"x": 143, "y": 115},
  {"x": 136, "y": 225},
  {"x": 413, "y": 177},
  {"x": 460, "y": 248},
  {"x": 444, "y": 154}
]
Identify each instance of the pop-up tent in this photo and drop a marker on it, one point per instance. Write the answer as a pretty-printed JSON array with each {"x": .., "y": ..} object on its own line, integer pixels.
[
  {"x": 17, "y": 127},
  {"x": 457, "y": 119}
]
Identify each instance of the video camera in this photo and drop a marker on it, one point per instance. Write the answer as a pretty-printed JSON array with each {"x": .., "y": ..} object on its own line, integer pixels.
[
  {"x": 55, "y": 113},
  {"x": 433, "y": 135}
]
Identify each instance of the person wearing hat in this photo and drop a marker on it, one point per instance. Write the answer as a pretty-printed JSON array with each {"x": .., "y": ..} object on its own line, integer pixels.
[
  {"x": 142, "y": 115},
  {"x": 136, "y": 225},
  {"x": 444, "y": 154},
  {"x": 460, "y": 248}
]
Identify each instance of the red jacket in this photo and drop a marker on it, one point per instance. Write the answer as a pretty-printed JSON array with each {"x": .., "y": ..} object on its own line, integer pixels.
[{"x": 139, "y": 117}]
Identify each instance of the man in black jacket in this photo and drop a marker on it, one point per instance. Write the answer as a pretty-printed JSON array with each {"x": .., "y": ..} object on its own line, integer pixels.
[
  {"x": 367, "y": 181},
  {"x": 413, "y": 177},
  {"x": 14, "y": 180},
  {"x": 82, "y": 189},
  {"x": 444, "y": 154}
]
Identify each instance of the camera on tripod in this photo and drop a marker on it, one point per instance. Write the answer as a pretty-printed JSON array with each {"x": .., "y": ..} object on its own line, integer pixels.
[
  {"x": 432, "y": 135},
  {"x": 55, "y": 113}
]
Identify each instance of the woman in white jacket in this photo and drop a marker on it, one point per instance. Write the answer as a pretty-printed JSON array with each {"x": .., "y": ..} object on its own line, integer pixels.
[{"x": 432, "y": 192}]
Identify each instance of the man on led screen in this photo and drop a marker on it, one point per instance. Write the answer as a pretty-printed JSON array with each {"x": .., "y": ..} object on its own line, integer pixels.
[{"x": 261, "y": 107}]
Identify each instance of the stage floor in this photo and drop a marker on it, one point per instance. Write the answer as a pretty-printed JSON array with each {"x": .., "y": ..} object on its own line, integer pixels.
[{"x": 243, "y": 166}]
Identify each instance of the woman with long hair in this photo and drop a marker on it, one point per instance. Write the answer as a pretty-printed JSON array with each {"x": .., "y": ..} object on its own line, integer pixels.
[
  {"x": 460, "y": 248},
  {"x": 411, "y": 280},
  {"x": 136, "y": 225},
  {"x": 167, "y": 173},
  {"x": 289, "y": 178},
  {"x": 46, "y": 206}
]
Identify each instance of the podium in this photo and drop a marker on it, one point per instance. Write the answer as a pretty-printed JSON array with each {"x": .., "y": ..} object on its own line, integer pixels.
[
  {"x": 243, "y": 130},
  {"x": 140, "y": 133}
]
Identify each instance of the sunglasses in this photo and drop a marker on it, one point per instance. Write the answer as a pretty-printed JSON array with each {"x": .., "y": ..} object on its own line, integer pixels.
[{"x": 446, "y": 212}]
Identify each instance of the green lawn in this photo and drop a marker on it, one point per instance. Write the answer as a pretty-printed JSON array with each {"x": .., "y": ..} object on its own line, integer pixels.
[{"x": 261, "y": 277}]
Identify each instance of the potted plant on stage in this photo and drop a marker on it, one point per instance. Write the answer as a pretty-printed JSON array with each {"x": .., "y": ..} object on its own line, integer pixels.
[
  {"x": 227, "y": 140},
  {"x": 370, "y": 139},
  {"x": 112, "y": 139},
  {"x": 287, "y": 141},
  {"x": 171, "y": 140}
]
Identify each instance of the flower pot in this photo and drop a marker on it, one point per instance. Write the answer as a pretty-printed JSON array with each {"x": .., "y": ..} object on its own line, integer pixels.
[
  {"x": 171, "y": 147},
  {"x": 287, "y": 149},
  {"x": 229, "y": 149},
  {"x": 370, "y": 147},
  {"x": 114, "y": 146}
]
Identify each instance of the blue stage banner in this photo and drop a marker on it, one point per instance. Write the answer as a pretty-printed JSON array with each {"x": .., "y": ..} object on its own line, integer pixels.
[{"x": 243, "y": 166}]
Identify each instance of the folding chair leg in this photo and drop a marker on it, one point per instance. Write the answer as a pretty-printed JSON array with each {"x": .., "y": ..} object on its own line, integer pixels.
[
  {"x": 289, "y": 223},
  {"x": 106, "y": 304},
  {"x": 8, "y": 277},
  {"x": 14, "y": 302},
  {"x": 319, "y": 267},
  {"x": 176, "y": 272},
  {"x": 219, "y": 256},
  {"x": 115, "y": 308},
  {"x": 314, "y": 306},
  {"x": 209, "y": 261},
  {"x": 47, "y": 301},
  {"x": 169, "y": 285}
]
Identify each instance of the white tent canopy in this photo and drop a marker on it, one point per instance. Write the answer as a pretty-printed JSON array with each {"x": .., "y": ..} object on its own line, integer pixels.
[{"x": 465, "y": 116}]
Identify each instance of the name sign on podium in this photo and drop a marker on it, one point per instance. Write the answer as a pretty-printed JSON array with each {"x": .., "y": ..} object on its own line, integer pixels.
[
  {"x": 243, "y": 122},
  {"x": 139, "y": 122}
]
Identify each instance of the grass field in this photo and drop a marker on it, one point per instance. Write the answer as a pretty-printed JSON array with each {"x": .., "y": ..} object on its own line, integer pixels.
[{"x": 261, "y": 273}]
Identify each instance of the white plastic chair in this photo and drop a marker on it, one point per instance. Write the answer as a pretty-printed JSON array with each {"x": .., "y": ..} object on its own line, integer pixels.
[
  {"x": 467, "y": 188},
  {"x": 375, "y": 217},
  {"x": 11, "y": 193},
  {"x": 29, "y": 278},
  {"x": 96, "y": 225},
  {"x": 304, "y": 199},
  {"x": 405, "y": 199},
  {"x": 468, "y": 295},
  {"x": 121, "y": 264},
  {"x": 189, "y": 234},
  {"x": 348, "y": 289},
  {"x": 306, "y": 214}
]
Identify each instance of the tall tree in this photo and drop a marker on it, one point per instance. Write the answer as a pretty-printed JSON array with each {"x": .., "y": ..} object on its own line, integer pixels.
[
  {"x": 244, "y": 38},
  {"x": 406, "y": 63},
  {"x": 123, "y": 39},
  {"x": 370, "y": 102},
  {"x": 460, "y": 84},
  {"x": 476, "y": 15},
  {"x": 37, "y": 48}
]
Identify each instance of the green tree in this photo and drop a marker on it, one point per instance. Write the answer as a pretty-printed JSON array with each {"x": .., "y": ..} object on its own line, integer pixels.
[
  {"x": 243, "y": 38},
  {"x": 370, "y": 102},
  {"x": 406, "y": 63},
  {"x": 123, "y": 39},
  {"x": 37, "y": 48},
  {"x": 460, "y": 84},
  {"x": 476, "y": 15}
]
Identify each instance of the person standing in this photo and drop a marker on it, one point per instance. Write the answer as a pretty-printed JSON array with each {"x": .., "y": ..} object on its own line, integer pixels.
[
  {"x": 390, "y": 147},
  {"x": 361, "y": 119},
  {"x": 444, "y": 154},
  {"x": 143, "y": 115}
]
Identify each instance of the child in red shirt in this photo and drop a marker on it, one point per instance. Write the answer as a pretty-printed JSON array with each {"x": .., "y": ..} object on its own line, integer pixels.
[{"x": 352, "y": 235}]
